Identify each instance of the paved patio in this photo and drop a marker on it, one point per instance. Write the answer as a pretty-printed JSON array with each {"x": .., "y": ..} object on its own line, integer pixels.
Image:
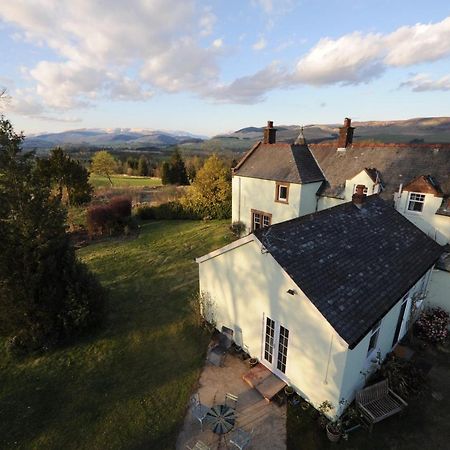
[{"x": 267, "y": 420}]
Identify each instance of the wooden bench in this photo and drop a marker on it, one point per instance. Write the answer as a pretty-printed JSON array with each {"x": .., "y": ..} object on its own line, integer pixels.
[{"x": 377, "y": 402}]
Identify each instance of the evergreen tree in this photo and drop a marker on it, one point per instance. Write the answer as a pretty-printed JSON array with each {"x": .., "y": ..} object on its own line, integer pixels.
[
  {"x": 165, "y": 173},
  {"x": 46, "y": 295},
  {"x": 67, "y": 175},
  {"x": 143, "y": 166},
  {"x": 176, "y": 172}
]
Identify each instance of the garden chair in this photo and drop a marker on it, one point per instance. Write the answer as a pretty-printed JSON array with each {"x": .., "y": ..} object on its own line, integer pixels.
[
  {"x": 231, "y": 398},
  {"x": 240, "y": 438},
  {"x": 217, "y": 354},
  {"x": 198, "y": 410},
  {"x": 199, "y": 445},
  {"x": 378, "y": 402}
]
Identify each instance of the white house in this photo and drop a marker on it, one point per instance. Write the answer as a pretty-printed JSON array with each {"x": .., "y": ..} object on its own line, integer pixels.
[
  {"x": 319, "y": 298},
  {"x": 275, "y": 182},
  {"x": 414, "y": 177}
]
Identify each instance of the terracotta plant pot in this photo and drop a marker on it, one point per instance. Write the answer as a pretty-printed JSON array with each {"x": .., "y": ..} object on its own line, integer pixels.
[{"x": 333, "y": 434}]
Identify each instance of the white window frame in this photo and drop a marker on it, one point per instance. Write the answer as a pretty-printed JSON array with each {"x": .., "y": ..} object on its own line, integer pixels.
[
  {"x": 413, "y": 199},
  {"x": 374, "y": 333},
  {"x": 365, "y": 191}
]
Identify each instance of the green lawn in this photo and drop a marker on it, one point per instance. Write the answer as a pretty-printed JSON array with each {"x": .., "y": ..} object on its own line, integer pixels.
[
  {"x": 127, "y": 386},
  {"x": 123, "y": 181}
]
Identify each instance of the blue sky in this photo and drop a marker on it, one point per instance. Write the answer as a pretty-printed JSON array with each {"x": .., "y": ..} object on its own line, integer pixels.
[{"x": 211, "y": 67}]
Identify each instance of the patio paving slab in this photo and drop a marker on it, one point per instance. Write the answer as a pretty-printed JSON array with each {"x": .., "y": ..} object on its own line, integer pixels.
[{"x": 266, "y": 421}]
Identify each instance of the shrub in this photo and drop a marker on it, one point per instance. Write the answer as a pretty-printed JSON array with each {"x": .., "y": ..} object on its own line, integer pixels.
[
  {"x": 120, "y": 206},
  {"x": 432, "y": 325},
  {"x": 99, "y": 219},
  {"x": 169, "y": 210},
  {"x": 238, "y": 228}
]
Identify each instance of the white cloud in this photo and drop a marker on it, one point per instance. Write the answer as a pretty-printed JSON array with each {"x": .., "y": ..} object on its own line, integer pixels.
[
  {"x": 423, "y": 82},
  {"x": 353, "y": 58},
  {"x": 99, "y": 46},
  {"x": 207, "y": 22},
  {"x": 250, "y": 89},
  {"x": 218, "y": 43},
  {"x": 357, "y": 57},
  {"x": 260, "y": 44}
]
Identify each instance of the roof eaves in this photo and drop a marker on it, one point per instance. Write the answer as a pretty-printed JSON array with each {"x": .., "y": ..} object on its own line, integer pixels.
[{"x": 226, "y": 248}]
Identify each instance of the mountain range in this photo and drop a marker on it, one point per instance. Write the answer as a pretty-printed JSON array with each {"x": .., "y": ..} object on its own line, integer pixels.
[
  {"x": 428, "y": 129},
  {"x": 111, "y": 138}
]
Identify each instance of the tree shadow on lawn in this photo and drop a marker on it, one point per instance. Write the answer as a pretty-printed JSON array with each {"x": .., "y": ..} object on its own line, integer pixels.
[{"x": 136, "y": 395}]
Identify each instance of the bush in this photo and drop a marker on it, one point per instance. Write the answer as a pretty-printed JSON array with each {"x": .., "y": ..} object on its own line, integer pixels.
[
  {"x": 120, "y": 206},
  {"x": 99, "y": 219},
  {"x": 169, "y": 210},
  {"x": 110, "y": 218},
  {"x": 432, "y": 325},
  {"x": 238, "y": 228}
]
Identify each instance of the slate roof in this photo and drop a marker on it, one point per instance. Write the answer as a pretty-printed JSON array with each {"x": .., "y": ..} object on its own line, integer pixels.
[
  {"x": 397, "y": 164},
  {"x": 353, "y": 264},
  {"x": 292, "y": 163}
]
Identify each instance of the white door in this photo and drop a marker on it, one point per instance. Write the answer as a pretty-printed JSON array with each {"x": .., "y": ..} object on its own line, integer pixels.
[{"x": 275, "y": 346}]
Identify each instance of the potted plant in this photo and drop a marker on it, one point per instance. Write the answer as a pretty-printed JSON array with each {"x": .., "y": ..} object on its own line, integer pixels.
[
  {"x": 253, "y": 362},
  {"x": 288, "y": 390},
  {"x": 323, "y": 409},
  {"x": 334, "y": 430}
]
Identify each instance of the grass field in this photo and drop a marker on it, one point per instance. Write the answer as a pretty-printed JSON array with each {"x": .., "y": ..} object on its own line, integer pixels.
[
  {"x": 127, "y": 386},
  {"x": 123, "y": 181}
]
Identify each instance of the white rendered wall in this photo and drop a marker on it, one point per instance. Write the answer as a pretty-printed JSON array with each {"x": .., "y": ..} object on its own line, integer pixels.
[
  {"x": 328, "y": 202},
  {"x": 258, "y": 194},
  {"x": 434, "y": 225},
  {"x": 246, "y": 285},
  {"x": 359, "y": 366},
  {"x": 361, "y": 178},
  {"x": 439, "y": 290}
]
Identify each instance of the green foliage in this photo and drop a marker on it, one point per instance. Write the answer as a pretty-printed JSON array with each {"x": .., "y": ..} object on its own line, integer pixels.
[
  {"x": 67, "y": 175},
  {"x": 46, "y": 295},
  {"x": 170, "y": 211},
  {"x": 210, "y": 193},
  {"x": 174, "y": 171},
  {"x": 103, "y": 163},
  {"x": 143, "y": 169}
]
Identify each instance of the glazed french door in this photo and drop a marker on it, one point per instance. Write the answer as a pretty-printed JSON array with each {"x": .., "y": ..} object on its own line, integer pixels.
[{"x": 275, "y": 346}]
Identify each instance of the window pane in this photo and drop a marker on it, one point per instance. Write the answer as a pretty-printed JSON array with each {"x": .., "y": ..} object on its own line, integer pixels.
[{"x": 282, "y": 192}]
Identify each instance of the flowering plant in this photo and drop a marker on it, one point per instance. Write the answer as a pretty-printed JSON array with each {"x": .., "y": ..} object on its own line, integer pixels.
[{"x": 432, "y": 325}]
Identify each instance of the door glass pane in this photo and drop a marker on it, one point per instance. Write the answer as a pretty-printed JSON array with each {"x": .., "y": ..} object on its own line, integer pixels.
[
  {"x": 282, "y": 349},
  {"x": 269, "y": 339},
  {"x": 399, "y": 322}
]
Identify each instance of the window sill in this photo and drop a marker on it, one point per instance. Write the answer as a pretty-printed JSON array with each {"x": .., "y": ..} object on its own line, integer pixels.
[{"x": 284, "y": 202}]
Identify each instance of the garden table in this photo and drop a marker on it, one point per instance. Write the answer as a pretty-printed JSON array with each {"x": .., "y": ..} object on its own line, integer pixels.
[{"x": 221, "y": 418}]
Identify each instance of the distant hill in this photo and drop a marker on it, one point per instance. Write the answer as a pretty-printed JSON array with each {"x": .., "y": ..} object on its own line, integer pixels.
[
  {"x": 428, "y": 129},
  {"x": 121, "y": 138}
]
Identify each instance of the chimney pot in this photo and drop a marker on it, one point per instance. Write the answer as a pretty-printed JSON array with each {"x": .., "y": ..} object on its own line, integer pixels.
[
  {"x": 359, "y": 196},
  {"x": 270, "y": 133},
  {"x": 346, "y": 134}
]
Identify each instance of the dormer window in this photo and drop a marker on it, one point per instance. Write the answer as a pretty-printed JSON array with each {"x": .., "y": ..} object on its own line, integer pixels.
[
  {"x": 416, "y": 201},
  {"x": 282, "y": 192}
]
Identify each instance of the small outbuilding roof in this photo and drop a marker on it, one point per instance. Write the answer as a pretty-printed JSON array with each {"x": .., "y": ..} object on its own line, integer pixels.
[
  {"x": 293, "y": 163},
  {"x": 353, "y": 263}
]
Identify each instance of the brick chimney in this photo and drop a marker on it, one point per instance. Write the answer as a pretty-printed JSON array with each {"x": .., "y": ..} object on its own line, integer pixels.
[
  {"x": 359, "y": 196},
  {"x": 270, "y": 133},
  {"x": 346, "y": 134}
]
